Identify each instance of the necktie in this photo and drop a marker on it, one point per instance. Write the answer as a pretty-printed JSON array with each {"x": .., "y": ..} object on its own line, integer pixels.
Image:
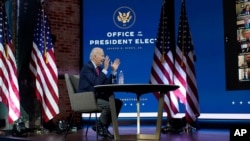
[{"x": 97, "y": 71}]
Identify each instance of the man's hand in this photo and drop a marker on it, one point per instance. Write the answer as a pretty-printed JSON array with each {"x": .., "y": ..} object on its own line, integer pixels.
[
  {"x": 115, "y": 64},
  {"x": 106, "y": 63}
]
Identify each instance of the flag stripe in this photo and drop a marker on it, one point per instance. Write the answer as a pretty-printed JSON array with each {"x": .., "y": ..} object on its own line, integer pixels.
[
  {"x": 43, "y": 67},
  {"x": 162, "y": 66},
  {"x": 184, "y": 76},
  {"x": 180, "y": 77},
  {"x": 9, "y": 91}
]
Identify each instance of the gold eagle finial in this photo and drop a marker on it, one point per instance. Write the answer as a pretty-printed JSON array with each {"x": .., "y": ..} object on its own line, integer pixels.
[{"x": 124, "y": 17}]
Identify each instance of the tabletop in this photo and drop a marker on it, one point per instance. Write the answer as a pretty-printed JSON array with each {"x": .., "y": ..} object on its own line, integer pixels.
[{"x": 136, "y": 88}]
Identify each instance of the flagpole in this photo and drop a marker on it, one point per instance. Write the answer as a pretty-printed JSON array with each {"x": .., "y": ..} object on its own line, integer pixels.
[
  {"x": 163, "y": 40},
  {"x": 182, "y": 37},
  {"x": 5, "y": 39},
  {"x": 168, "y": 128},
  {"x": 188, "y": 128},
  {"x": 44, "y": 34},
  {"x": 42, "y": 130},
  {"x": 43, "y": 67}
]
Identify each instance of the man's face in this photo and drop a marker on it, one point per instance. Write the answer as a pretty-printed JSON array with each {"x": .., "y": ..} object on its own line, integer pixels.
[{"x": 99, "y": 58}]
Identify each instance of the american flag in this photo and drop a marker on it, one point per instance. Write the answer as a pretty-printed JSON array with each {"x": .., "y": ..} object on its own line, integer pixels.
[
  {"x": 163, "y": 63},
  {"x": 43, "y": 67},
  {"x": 9, "y": 90},
  {"x": 184, "y": 76}
]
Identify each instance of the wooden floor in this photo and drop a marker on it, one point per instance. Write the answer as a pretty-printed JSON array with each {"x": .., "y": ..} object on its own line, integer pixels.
[{"x": 79, "y": 135}]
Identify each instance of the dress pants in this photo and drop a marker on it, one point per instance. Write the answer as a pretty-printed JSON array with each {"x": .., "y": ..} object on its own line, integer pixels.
[{"x": 105, "y": 117}]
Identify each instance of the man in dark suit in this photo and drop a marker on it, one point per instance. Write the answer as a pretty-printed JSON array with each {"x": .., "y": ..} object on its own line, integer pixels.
[{"x": 95, "y": 73}]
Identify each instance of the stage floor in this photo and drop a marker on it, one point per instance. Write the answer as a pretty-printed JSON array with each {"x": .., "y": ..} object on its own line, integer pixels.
[{"x": 79, "y": 135}]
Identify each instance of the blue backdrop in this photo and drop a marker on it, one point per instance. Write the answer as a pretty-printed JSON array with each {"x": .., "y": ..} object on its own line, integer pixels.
[{"x": 133, "y": 43}]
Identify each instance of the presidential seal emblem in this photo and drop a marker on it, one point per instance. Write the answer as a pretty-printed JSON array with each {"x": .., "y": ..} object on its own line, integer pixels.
[{"x": 124, "y": 17}]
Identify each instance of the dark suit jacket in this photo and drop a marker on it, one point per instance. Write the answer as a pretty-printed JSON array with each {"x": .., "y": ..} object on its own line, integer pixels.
[
  {"x": 89, "y": 78},
  {"x": 245, "y": 12}
]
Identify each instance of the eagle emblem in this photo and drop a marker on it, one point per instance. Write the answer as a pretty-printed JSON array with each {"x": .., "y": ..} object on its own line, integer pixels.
[{"x": 124, "y": 17}]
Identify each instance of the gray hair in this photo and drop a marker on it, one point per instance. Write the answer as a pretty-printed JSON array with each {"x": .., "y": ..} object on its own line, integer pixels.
[{"x": 94, "y": 52}]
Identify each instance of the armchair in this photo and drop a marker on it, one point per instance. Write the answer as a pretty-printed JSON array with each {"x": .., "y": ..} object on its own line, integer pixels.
[{"x": 83, "y": 102}]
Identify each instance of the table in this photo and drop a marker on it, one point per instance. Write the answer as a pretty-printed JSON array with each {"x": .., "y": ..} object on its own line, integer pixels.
[{"x": 138, "y": 89}]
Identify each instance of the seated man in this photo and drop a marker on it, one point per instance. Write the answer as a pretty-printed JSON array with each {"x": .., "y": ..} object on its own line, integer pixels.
[{"x": 92, "y": 74}]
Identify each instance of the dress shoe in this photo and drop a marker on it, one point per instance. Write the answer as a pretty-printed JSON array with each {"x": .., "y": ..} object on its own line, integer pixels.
[
  {"x": 166, "y": 129},
  {"x": 98, "y": 129},
  {"x": 94, "y": 128},
  {"x": 104, "y": 132},
  {"x": 97, "y": 125},
  {"x": 107, "y": 133}
]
